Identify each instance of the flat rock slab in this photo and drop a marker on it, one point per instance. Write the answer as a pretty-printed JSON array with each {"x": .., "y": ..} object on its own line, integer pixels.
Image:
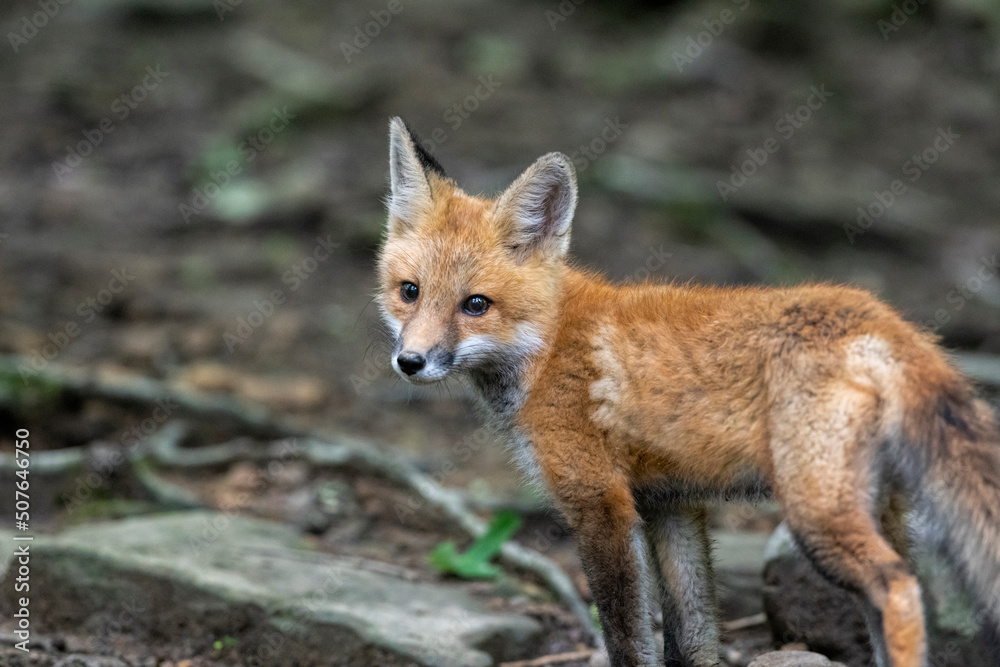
[
  {"x": 197, "y": 577},
  {"x": 793, "y": 659}
]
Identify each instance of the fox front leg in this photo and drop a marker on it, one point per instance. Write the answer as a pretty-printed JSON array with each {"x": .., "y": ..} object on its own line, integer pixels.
[{"x": 613, "y": 552}]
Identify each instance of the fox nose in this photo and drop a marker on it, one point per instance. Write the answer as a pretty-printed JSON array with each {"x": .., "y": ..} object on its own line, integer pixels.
[{"x": 410, "y": 362}]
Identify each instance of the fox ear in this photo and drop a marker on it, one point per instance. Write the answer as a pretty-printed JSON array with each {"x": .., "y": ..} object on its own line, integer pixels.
[
  {"x": 539, "y": 207},
  {"x": 409, "y": 168}
]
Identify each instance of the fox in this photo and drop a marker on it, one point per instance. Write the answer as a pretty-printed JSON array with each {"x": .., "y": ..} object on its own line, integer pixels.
[{"x": 637, "y": 405}]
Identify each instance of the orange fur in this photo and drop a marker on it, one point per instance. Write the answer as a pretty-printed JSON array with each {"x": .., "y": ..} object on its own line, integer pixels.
[{"x": 638, "y": 402}]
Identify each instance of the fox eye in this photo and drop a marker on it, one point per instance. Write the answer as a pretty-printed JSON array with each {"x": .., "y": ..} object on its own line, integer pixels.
[
  {"x": 477, "y": 304},
  {"x": 408, "y": 292}
]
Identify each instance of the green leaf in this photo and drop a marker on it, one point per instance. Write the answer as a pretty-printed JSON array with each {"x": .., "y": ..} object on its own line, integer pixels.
[
  {"x": 596, "y": 618},
  {"x": 474, "y": 563},
  {"x": 225, "y": 642}
]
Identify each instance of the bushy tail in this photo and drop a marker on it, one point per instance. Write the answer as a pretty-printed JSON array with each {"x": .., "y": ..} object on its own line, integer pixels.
[{"x": 953, "y": 469}]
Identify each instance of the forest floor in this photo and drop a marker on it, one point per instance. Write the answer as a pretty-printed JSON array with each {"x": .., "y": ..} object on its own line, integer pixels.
[{"x": 195, "y": 195}]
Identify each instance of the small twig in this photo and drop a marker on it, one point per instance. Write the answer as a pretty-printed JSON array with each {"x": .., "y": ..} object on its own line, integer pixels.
[
  {"x": 745, "y": 622},
  {"x": 379, "y": 567},
  {"x": 356, "y": 562},
  {"x": 554, "y": 659}
]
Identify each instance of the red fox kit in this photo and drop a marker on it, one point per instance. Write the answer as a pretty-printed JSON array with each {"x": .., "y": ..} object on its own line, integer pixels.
[{"x": 635, "y": 404}]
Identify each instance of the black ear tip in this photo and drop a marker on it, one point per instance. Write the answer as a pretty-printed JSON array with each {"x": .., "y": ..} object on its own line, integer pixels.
[
  {"x": 409, "y": 131},
  {"x": 561, "y": 160},
  {"x": 427, "y": 160},
  {"x": 558, "y": 167}
]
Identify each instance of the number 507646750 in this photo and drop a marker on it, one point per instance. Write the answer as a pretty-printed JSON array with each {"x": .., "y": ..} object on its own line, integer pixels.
[{"x": 21, "y": 454}]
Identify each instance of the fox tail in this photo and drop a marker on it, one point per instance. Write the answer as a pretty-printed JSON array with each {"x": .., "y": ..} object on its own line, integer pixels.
[{"x": 952, "y": 468}]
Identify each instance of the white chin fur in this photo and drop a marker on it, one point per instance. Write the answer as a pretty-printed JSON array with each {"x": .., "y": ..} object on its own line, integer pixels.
[{"x": 419, "y": 378}]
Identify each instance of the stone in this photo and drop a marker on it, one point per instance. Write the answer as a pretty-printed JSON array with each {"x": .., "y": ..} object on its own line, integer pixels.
[
  {"x": 199, "y": 576},
  {"x": 793, "y": 659}
]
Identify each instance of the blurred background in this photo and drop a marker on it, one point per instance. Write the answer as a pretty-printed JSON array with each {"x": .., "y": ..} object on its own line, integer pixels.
[{"x": 191, "y": 193}]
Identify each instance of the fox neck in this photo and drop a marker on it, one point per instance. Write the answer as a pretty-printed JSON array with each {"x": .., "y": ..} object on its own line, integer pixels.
[{"x": 502, "y": 389}]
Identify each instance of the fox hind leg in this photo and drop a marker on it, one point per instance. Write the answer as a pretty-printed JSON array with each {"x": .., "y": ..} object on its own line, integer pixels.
[
  {"x": 824, "y": 452},
  {"x": 854, "y": 555},
  {"x": 680, "y": 553}
]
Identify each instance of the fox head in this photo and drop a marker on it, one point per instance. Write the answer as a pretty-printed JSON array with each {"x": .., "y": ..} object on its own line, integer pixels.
[{"x": 470, "y": 283}]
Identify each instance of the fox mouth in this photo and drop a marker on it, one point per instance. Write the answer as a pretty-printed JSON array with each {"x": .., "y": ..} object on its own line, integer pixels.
[{"x": 422, "y": 378}]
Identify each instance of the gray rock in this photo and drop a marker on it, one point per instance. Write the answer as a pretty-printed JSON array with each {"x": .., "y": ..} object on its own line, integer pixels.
[
  {"x": 793, "y": 659},
  {"x": 804, "y": 607},
  {"x": 739, "y": 550},
  {"x": 201, "y": 576},
  {"x": 738, "y": 558}
]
